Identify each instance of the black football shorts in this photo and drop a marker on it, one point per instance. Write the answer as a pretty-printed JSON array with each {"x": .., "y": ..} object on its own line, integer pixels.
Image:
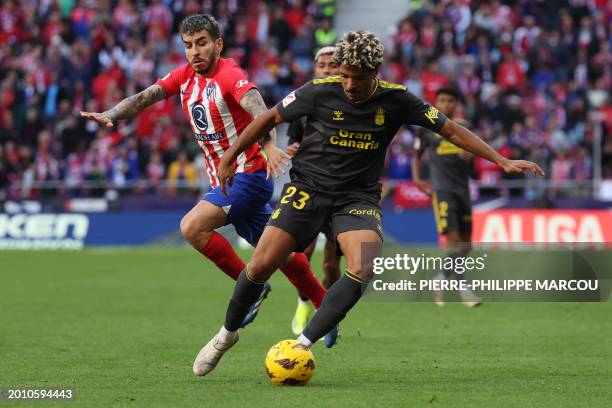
[
  {"x": 453, "y": 212},
  {"x": 303, "y": 213}
]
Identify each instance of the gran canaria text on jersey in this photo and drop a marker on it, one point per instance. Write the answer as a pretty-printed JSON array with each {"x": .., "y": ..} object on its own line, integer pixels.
[{"x": 357, "y": 140}]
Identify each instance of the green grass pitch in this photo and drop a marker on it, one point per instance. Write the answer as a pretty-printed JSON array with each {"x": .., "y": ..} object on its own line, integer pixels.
[{"x": 122, "y": 327}]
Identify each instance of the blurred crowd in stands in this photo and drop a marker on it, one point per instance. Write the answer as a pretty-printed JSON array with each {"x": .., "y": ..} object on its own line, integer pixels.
[{"x": 533, "y": 75}]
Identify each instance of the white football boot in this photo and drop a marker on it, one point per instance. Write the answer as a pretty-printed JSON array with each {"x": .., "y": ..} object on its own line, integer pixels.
[
  {"x": 469, "y": 298},
  {"x": 208, "y": 358}
]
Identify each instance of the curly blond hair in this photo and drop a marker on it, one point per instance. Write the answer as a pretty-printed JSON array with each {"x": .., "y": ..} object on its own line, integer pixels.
[{"x": 360, "y": 49}]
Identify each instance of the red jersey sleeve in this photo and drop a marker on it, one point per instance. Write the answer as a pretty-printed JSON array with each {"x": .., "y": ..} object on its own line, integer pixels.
[
  {"x": 235, "y": 81},
  {"x": 171, "y": 83}
]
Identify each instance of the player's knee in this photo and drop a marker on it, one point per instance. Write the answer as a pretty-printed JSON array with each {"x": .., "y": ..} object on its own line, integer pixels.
[
  {"x": 466, "y": 247},
  {"x": 188, "y": 228},
  {"x": 452, "y": 237},
  {"x": 260, "y": 268},
  {"x": 459, "y": 247}
]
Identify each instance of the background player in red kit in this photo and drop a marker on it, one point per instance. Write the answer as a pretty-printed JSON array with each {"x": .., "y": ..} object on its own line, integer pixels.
[{"x": 219, "y": 102}]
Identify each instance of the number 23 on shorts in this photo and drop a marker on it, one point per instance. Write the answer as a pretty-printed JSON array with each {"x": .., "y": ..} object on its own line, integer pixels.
[{"x": 299, "y": 201}]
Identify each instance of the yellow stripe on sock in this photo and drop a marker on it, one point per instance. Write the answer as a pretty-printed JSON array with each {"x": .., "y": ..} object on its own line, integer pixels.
[
  {"x": 248, "y": 275},
  {"x": 352, "y": 276},
  {"x": 434, "y": 197}
]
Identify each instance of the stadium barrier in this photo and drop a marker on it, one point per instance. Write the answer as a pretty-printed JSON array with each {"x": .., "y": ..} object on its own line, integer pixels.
[
  {"x": 76, "y": 230},
  {"x": 27, "y": 231},
  {"x": 564, "y": 226},
  {"x": 404, "y": 192}
]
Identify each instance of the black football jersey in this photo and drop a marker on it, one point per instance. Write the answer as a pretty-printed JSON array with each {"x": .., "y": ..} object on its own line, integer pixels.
[
  {"x": 344, "y": 143},
  {"x": 447, "y": 170}
]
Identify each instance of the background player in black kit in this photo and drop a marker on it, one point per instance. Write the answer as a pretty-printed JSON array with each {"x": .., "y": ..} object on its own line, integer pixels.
[
  {"x": 449, "y": 170},
  {"x": 323, "y": 67},
  {"x": 351, "y": 120}
]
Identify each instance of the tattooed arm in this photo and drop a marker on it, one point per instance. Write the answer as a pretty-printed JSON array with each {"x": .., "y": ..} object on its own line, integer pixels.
[
  {"x": 128, "y": 107},
  {"x": 253, "y": 103},
  {"x": 277, "y": 159}
]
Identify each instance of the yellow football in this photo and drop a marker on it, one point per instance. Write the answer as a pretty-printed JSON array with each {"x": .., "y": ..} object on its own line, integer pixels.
[{"x": 289, "y": 362}]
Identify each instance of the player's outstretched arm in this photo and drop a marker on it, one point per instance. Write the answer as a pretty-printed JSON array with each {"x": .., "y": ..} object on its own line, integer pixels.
[
  {"x": 251, "y": 134},
  {"x": 128, "y": 107},
  {"x": 277, "y": 160},
  {"x": 467, "y": 140}
]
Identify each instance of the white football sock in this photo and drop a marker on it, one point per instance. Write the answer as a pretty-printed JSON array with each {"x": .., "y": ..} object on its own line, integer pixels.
[
  {"x": 225, "y": 334},
  {"x": 304, "y": 340}
]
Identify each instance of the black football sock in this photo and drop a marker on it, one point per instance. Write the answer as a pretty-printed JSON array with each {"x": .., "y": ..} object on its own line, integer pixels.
[
  {"x": 451, "y": 272},
  {"x": 340, "y": 298},
  {"x": 246, "y": 292},
  {"x": 303, "y": 297}
]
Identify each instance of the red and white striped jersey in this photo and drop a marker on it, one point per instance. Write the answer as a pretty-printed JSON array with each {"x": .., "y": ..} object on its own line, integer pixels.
[{"x": 212, "y": 106}]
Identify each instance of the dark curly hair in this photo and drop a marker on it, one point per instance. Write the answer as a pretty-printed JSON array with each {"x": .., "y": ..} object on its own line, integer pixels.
[
  {"x": 200, "y": 22},
  {"x": 360, "y": 49},
  {"x": 450, "y": 90}
]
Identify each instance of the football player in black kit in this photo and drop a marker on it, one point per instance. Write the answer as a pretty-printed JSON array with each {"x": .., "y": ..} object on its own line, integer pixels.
[
  {"x": 449, "y": 170},
  {"x": 351, "y": 120}
]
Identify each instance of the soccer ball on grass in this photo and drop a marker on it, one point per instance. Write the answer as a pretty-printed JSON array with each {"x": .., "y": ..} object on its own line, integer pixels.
[{"x": 289, "y": 362}]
